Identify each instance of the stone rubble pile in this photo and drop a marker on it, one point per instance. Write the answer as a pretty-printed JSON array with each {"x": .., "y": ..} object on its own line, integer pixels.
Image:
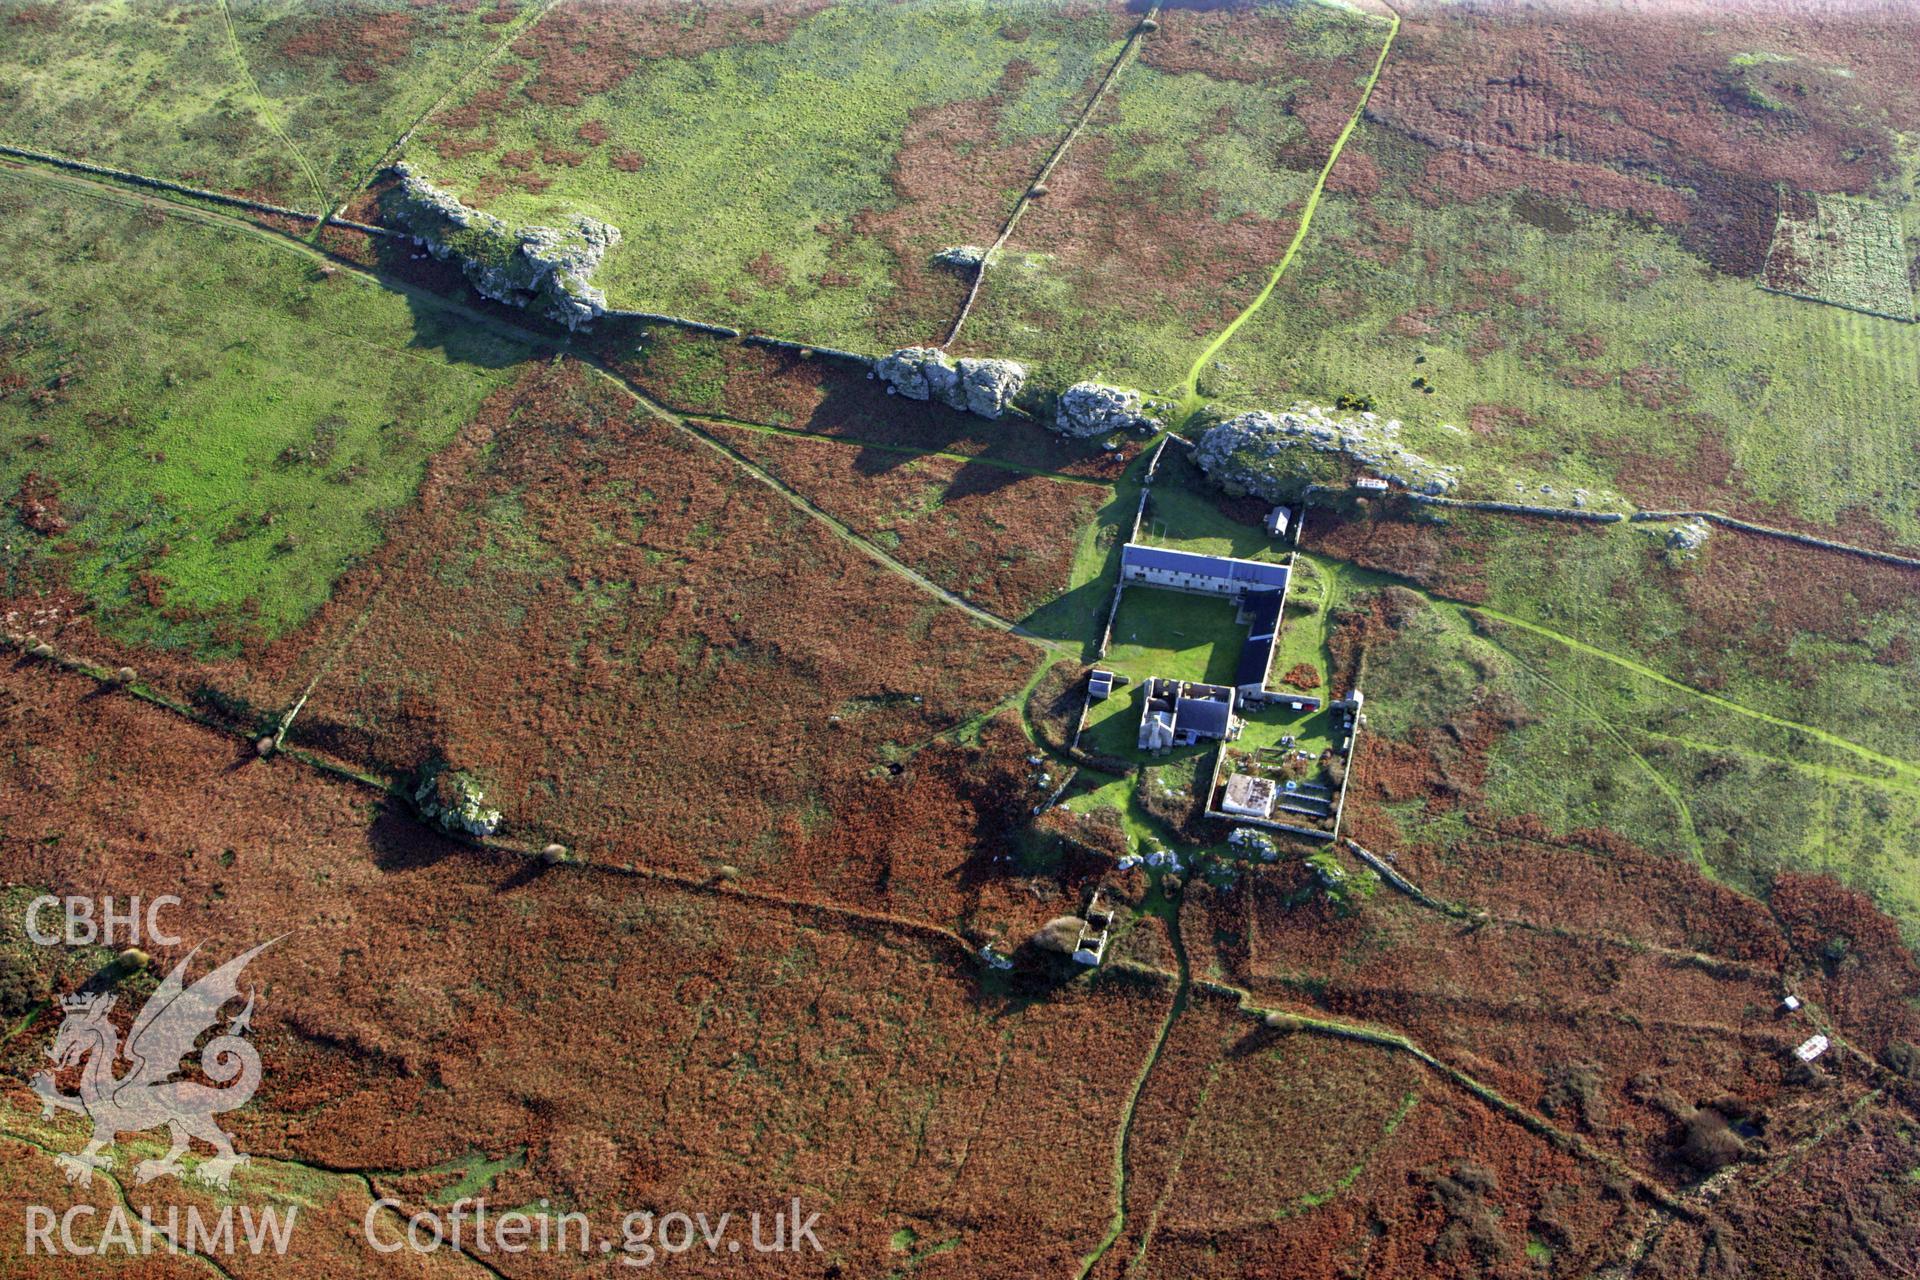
[
  {"x": 1094, "y": 409},
  {"x": 961, "y": 257},
  {"x": 1684, "y": 540}
]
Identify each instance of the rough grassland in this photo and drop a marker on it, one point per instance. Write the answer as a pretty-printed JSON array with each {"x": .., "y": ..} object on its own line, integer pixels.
[
  {"x": 637, "y": 643},
  {"x": 1163, "y": 220},
  {"x": 999, "y": 538},
  {"x": 701, "y": 376},
  {"x": 291, "y": 104},
  {"x": 1538, "y": 345},
  {"x": 796, "y": 178},
  {"x": 1478, "y": 718},
  {"x": 198, "y": 432},
  {"x": 599, "y": 1040},
  {"x": 1847, "y": 252}
]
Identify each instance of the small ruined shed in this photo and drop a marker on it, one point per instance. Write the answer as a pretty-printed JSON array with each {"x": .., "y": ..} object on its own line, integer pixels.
[
  {"x": 1248, "y": 796},
  {"x": 1092, "y": 946}
]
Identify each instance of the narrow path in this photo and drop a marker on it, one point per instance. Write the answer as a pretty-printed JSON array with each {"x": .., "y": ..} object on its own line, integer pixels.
[
  {"x": 1190, "y": 389},
  {"x": 159, "y": 1225},
  {"x": 1139, "y": 1258},
  {"x": 266, "y": 109},
  {"x": 554, "y": 342},
  {"x": 1122, "y": 1192},
  {"x": 1660, "y": 781},
  {"x": 1901, "y": 768},
  {"x": 512, "y": 32},
  {"x": 802, "y": 503},
  {"x": 1827, "y": 772},
  {"x": 1046, "y": 170},
  {"x": 1571, "y": 1143}
]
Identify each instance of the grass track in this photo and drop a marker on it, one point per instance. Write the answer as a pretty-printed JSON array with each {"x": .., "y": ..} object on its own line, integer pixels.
[
  {"x": 1902, "y": 768},
  {"x": 1189, "y": 390},
  {"x": 266, "y": 110}
]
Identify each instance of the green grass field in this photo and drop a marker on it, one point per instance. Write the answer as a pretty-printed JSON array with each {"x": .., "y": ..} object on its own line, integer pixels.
[
  {"x": 1740, "y": 792},
  {"x": 1175, "y": 202},
  {"x": 224, "y": 427},
  {"x": 277, "y": 99}
]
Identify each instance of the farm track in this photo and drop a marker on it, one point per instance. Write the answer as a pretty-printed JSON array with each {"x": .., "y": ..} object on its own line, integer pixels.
[
  {"x": 926, "y": 929},
  {"x": 1828, "y": 772},
  {"x": 1660, "y": 781},
  {"x": 1901, "y": 768},
  {"x": 266, "y": 109},
  {"x": 1126, "y": 54},
  {"x": 1190, "y": 389},
  {"x": 1122, "y": 1191},
  {"x": 514, "y": 31}
]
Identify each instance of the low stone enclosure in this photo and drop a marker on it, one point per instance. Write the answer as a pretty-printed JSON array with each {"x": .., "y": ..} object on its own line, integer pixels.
[{"x": 1258, "y": 786}]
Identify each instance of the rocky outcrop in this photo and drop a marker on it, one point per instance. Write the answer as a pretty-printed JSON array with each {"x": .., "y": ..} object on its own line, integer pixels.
[
  {"x": 1094, "y": 409},
  {"x": 1685, "y": 540},
  {"x": 975, "y": 385},
  {"x": 1275, "y": 456},
  {"x": 961, "y": 257},
  {"x": 453, "y": 801},
  {"x": 545, "y": 269}
]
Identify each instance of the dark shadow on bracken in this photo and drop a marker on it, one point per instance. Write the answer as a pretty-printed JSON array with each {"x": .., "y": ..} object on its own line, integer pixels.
[{"x": 401, "y": 842}]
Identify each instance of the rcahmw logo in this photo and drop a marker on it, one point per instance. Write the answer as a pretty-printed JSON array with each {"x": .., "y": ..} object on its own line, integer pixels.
[{"x": 175, "y": 1077}]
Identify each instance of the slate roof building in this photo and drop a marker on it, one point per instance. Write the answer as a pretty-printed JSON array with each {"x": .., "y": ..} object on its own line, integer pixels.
[
  {"x": 1190, "y": 571},
  {"x": 1180, "y": 713},
  {"x": 1263, "y": 634}
]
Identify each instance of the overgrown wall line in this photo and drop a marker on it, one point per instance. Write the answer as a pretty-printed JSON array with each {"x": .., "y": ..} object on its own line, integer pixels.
[
  {"x": 1786, "y": 535},
  {"x": 1397, "y": 880},
  {"x": 158, "y": 184},
  {"x": 1046, "y": 170},
  {"x": 1571, "y": 1143},
  {"x": 1519, "y": 509}
]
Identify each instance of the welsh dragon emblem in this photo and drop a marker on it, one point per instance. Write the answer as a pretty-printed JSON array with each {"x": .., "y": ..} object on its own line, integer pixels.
[{"x": 150, "y": 1092}]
